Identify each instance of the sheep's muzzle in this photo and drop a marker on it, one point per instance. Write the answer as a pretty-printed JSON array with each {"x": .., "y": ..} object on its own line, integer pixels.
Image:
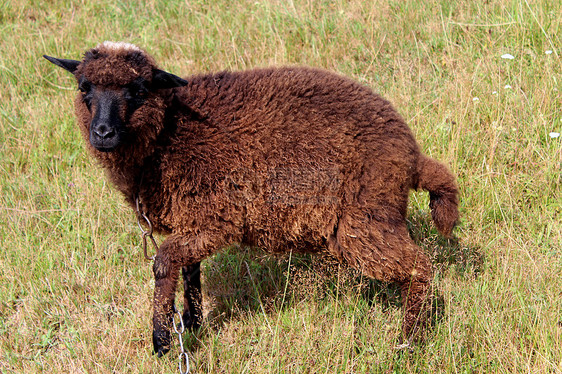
[{"x": 106, "y": 128}]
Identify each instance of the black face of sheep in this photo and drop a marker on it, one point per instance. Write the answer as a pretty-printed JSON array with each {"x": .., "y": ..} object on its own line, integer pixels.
[
  {"x": 282, "y": 158},
  {"x": 112, "y": 107}
]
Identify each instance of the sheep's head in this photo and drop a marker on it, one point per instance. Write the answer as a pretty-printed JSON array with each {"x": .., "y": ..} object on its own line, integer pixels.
[{"x": 116, "y": 81}]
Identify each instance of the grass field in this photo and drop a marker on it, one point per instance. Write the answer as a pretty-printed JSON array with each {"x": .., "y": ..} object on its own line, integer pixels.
[{"x": 75, "y": 291}]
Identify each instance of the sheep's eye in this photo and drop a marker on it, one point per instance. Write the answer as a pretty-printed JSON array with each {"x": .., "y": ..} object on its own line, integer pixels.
[
  {"x": 84, "y": 86},
  {"x": 141, "y": 92},
  {"x": 135, "y": 93},
  {"x": 137, "y": 89},
  {"x": 85, "y": 89}
]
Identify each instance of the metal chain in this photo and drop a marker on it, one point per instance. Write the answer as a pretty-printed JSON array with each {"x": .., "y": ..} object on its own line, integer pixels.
[
  {"x": 145, "y": 233},
  {"x": 183, "y": 358}
]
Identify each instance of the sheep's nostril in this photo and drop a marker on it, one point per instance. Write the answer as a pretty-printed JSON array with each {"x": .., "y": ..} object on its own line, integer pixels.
[{"x": 104, "y": 132}]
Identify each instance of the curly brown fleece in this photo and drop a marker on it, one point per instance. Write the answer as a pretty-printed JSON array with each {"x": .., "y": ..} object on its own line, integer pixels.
[{"x": 288, "y": 158}]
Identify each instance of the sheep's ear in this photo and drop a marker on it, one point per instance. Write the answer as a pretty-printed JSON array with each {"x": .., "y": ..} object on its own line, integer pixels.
[
  {"x": 162, "y": 80},
  {"x": 69, "y": 65}
]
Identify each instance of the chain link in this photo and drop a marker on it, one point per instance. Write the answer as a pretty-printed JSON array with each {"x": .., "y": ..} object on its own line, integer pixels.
[
  {"x": 183, "y": 358},
  {"x": 145, "y": 233}
]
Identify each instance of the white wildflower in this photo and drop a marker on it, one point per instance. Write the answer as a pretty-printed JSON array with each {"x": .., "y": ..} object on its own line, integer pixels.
[
  {"x": 507, "y": 56},
  {"x": 494, "y": 92},
  {"x": 475, "y": 99},
  {"x": 497, "y": 126},
  {"x": 548, "y": 52},
  {"x": 507, "y": 87},
  {"x": 554, "y": 135}
]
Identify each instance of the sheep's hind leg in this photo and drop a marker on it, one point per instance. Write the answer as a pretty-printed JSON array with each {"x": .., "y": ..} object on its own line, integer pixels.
[
  {"x": 416, "y": 297},
  {"x": 386, "y": 252},
  {"x": 192, "y": 312},
  {"x": 412, "y": 272}
]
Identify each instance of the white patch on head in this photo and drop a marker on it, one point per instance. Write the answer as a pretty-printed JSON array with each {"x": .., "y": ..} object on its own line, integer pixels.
[{"x": 119, "y": 46}]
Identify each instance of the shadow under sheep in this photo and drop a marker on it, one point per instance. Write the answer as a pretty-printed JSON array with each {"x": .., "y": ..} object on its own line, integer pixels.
[{"x": 238, "y": 280}]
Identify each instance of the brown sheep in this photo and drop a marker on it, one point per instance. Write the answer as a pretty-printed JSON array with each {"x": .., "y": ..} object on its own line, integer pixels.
[{"x": 286, "y": 159}]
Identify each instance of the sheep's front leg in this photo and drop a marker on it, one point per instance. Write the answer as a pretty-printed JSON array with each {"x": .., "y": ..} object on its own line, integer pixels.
[
  {"x": 166, "y": 271},
  {"x": 176, "y": 252},
  {"x": 192, "y": 312}
]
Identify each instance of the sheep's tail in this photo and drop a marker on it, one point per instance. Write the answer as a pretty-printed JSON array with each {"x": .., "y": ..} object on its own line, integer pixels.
[{"x": 443, "y": 193}]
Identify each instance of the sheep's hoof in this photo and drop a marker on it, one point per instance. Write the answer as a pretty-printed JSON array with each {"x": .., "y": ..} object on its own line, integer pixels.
[
  {"x": 161, "y": 342},
  {"x": 191, "y": 321}
]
